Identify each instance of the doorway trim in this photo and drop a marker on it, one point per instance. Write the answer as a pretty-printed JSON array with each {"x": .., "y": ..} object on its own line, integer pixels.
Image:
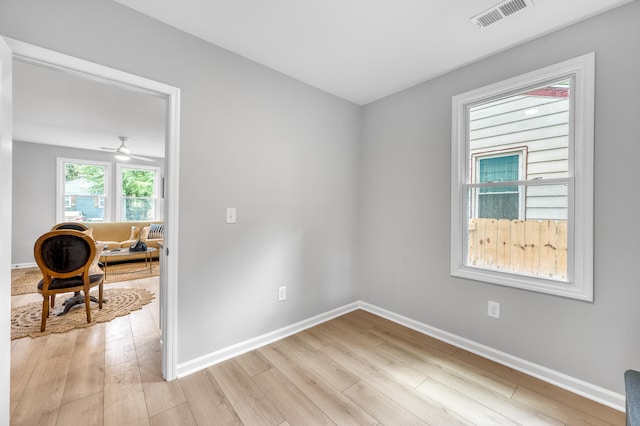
[{"x": 169, "y": 278}]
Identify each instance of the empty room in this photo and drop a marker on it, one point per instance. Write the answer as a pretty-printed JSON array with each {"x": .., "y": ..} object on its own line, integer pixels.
[{"x": 355, "y": 212}]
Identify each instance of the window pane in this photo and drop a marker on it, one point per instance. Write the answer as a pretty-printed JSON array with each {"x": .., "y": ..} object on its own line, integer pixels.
[
  {"x": 135, "y": 209},
  {"x": 498, "y": 206},
  {"x": 84, "y": 186},
  {"x": 535, "y": 246},
  {"x": 500, "y": 202},
  {"x": 535, "y": 121},
  {"x": 138, "y": 190},
  {"x": 498, "y": 169}
]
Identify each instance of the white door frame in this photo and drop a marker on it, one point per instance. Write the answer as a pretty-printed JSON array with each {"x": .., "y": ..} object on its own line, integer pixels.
[
  {"x": 169, "y": 300},
  {"x": 6, "y": 73}
]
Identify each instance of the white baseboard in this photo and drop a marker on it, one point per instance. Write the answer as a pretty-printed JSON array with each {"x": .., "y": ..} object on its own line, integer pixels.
[
  {"x": 200, "y": 363},
  {"x": 580, "y": 387},
  {"x": 577, "y": 386},
  {"x": 23, "y": 265}
]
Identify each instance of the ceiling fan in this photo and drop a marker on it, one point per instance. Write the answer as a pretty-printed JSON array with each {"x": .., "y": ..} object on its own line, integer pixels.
[{"x": 123, "y": 153}]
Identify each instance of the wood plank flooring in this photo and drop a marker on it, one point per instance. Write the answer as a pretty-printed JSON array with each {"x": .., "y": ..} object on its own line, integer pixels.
[{"x": 358, "y": 369}]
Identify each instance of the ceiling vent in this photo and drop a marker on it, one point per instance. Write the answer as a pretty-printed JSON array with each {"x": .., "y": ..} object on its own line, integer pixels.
[{"x": 500, "y": 11}]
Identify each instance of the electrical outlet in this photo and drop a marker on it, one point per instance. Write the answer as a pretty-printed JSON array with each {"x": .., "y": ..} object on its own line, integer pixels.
[
  {"x": 494, "y": 310},
  {"x": 282, "y": 294}
]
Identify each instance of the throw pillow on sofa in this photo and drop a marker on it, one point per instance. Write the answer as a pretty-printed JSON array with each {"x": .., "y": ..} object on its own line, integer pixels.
[
  {"x": 95, "y": 268},
  {"x": 134, "y": 233},
  {"x": 156, "y": 230}
]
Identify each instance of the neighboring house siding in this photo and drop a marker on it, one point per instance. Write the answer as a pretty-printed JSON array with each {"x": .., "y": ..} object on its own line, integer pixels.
[
  {"x": 83, "y": 200},
  {"x": 542, "y": 137}
]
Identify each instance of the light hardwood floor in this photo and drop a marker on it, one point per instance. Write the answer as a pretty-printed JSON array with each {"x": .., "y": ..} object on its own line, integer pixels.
[{"x": 358, "y": 369}]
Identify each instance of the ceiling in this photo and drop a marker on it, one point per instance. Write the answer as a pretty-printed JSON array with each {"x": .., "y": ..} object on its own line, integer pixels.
[
  {"x": 359, "y": 50},
  {"x": 363, "y": 50},
  {"x": 57, "y": 108}
]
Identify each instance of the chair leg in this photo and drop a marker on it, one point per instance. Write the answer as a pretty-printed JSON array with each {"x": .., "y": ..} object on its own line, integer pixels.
[
  {"x": 87, "y": 304},
  {"x": 53, "y": 301},
  {"x": 100, "y": 296},
  {"x": 45, "y": 313}
]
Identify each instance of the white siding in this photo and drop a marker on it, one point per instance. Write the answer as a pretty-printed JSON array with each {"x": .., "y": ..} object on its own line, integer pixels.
[{"x": 537, "y": 126}]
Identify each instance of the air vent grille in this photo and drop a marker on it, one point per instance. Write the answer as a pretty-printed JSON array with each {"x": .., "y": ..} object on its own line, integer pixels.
[
  {"x": 500, "y": 11},
  {"x": 512, "y": 7}
]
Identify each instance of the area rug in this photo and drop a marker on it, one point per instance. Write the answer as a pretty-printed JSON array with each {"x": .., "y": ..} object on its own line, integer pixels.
[
  {"x": 25, "y": 320},
  {"x": 25, "y": 281}
]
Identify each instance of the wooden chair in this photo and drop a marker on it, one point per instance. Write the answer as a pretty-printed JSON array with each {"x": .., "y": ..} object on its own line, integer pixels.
[
  {"x": 77, "y": 298},
  {"x": 77, "y": 226},
  {"x": 64, "y": 257}
]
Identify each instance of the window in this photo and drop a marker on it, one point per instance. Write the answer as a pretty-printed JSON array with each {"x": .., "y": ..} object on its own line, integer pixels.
[
  {"x": 82, "y": 190},
  {"x": 498, "y": 202},
  {"x": 138, "y": 189},
  {"x": 522, "y": 181}
]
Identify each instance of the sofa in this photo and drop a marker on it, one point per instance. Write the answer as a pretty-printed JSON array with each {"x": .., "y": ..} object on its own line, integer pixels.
[
  {"x": 113, "y": 235},
  {"x": 632, "y": 388}
]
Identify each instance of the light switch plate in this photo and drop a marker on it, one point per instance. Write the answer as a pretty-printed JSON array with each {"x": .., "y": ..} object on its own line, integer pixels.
[{"x": 231, "y": 215}]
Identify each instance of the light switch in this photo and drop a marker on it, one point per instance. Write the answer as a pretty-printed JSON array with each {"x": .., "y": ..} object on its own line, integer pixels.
[{"x": 231, "y": 215}]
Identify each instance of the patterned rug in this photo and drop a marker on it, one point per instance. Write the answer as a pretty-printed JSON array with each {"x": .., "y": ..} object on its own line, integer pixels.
[
  {"x": 25, "y": 320},
  {"x": 24, "y": 281}
]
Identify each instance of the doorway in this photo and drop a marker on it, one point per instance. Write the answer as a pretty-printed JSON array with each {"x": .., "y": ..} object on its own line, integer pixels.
[{"x": 168, "y": 288}]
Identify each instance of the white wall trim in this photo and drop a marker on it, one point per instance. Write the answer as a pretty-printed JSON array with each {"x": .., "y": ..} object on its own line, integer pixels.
[
  {"x": 200, "y": 363},
  {"x": 24, "y": 265},
  {"x": 577, "y": 386}
]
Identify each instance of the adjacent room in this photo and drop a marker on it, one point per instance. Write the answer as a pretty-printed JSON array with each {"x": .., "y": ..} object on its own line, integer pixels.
[{"x": 346, "y": 212}]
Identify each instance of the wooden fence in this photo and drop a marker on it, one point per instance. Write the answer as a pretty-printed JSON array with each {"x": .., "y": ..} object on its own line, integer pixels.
[{"x": 537, "y": 247}]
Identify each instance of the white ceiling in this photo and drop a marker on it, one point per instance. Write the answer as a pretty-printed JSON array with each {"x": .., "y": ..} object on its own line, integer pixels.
[
  {"x": 57, "y": 108},
  {"x": 359, "y": 50},
  {"x": 363, "y": 50}
]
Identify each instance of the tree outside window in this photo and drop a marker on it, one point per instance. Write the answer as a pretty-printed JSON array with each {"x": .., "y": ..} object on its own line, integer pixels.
[{"x": 138, "y": 193}]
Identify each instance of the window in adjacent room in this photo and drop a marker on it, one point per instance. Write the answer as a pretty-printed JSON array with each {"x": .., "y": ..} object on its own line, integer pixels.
[
  {"x": 82, "y": 188},
  {"x": 522, "y": 181},
  {"x": 138, "y": 189}
]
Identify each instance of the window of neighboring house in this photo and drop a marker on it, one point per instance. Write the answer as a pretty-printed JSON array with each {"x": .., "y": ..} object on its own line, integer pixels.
[
  {"x": 137, "y": 193},
  {"x": 82, "y": 188},
  {"x": 498, "y": 202},
  {"x": 522, "y": 166}
]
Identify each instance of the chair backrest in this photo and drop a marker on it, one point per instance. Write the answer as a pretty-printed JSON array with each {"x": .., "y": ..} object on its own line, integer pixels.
[
  {"x": 64, "y": 253},
  {"x": 77, "y": 226}
]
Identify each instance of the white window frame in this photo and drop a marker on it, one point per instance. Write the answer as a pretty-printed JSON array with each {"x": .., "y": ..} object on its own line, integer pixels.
[
  {"x": 156, "y": 190},
  {"x": 60, "y": 195},
  {"x": 579, "y": 284}
]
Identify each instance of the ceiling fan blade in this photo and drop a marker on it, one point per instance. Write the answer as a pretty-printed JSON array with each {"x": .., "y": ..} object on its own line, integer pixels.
[
  {"x": 108, "y": 149},
  {"x": 137, "y": 157}
]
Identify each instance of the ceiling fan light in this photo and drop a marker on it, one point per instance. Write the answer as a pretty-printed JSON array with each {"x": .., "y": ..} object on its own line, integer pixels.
[{"x": 122, "y": 157}]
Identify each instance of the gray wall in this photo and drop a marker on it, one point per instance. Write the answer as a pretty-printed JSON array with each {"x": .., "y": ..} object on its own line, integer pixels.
[
  {"x": 34, "y": 191},
  {"x": 406, "y": 212},
  {"x": 284, "y": 154}
]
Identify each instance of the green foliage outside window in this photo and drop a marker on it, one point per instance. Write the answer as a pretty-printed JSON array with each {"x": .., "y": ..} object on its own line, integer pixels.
[
  {"x": 93, "y": 173},
  {"x": 138, "y": 190}
]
